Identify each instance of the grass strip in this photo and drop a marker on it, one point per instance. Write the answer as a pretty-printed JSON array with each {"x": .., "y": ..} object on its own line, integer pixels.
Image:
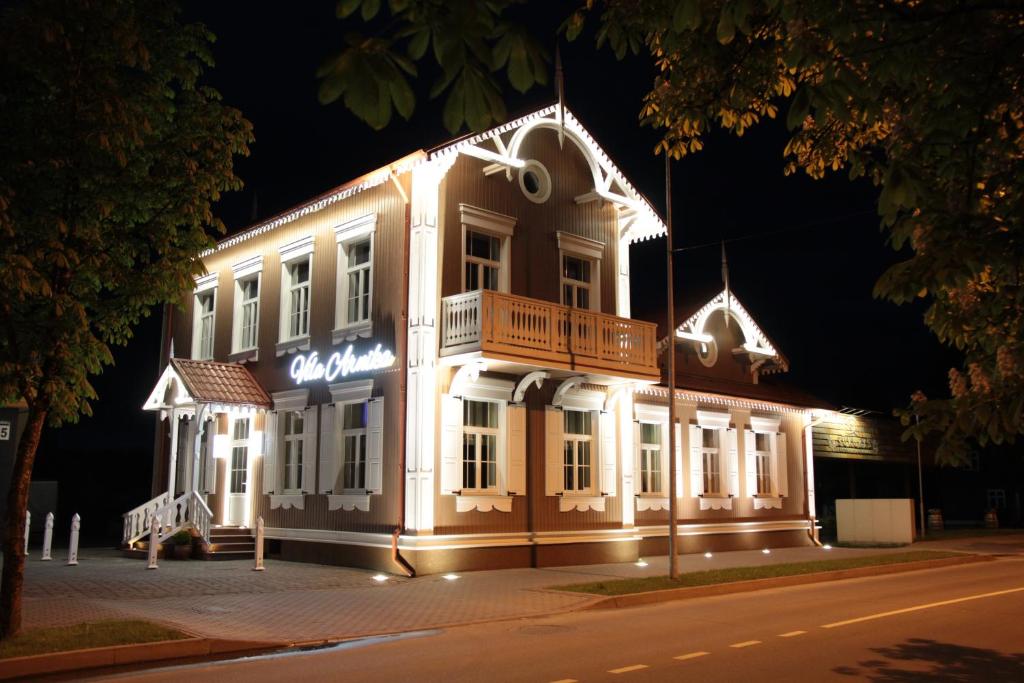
[
  {"x": 40, "y": 641},
  {"x": 733, "y": 574}
]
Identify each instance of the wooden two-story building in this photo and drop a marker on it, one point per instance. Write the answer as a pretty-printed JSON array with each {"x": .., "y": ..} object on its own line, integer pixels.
[{"x": 435, "y": 364}]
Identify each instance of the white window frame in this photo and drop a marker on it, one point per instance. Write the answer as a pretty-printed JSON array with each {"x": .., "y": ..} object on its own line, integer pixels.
[
  {"x": 205, "y": 286},
  {"x": 360, "y": 434},
  {"x": 291, "y": 255},
  {"x": 770, "y": 427},
  {"x": 286, "y": 417},
  {"x": 294, "y": 400},
  {"x": 500, "y": 456},
  {"x": 715, "y": 453},
  {"x": 648, "y": 414},
  {"x": 346, "y": 236},
  {"x": 332, "y": 448},
  {"x": 722, "y": 499},
  {"x": 244, "y": 444},
  {"x": 490, "y": 223},
  {"x": 577, "y": 440},
  {"x": 586, "y": 250},
  {"x": 660, "y": 447},
  {"x": 245, "y": 271}
]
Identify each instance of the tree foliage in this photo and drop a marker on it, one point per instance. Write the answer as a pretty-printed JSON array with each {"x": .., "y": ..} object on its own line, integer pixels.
[
  {"x": 111, "y": 156},
  {"x": 925, "y": 99}
]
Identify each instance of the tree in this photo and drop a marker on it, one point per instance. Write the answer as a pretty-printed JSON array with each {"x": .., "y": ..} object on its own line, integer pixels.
[
  {"x": 111, "y": 157},
  {"x": 926, "y": 99}
]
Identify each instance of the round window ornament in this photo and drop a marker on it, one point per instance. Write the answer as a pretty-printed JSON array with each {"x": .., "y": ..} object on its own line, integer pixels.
[
  {"x": 707, "y": 352},
  {"x": 535, "y": 181}
]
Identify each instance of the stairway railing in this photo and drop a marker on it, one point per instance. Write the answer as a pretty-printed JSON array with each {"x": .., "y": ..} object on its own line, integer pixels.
[{"x": 138, "y": 521}]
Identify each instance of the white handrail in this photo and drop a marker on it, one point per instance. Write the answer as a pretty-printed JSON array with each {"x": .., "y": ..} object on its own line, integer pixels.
[
  {"x": 137, "y": 521},
  {"x": 187, "y": 510}
]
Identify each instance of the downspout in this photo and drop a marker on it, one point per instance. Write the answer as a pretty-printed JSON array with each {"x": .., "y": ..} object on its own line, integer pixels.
[
  {"x": 812, "y": 531},
  {"x": 396, "y": 558}
]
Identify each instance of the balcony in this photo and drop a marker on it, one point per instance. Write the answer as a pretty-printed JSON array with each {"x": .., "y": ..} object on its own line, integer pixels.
[{"x": 532, "y": 332}]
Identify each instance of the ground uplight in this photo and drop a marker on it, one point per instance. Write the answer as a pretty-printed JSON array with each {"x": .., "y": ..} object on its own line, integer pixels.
[
  {"x": 766, "y": 551},
  {"x": 450, "y": 577},
  {"x": 380, "y": 578},
  {"x": 708, "y": 555},
  {"x": 641, "y": 562}
]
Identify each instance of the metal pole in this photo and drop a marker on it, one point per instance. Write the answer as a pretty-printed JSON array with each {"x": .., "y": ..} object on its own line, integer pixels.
[
  {"x": 28, "y": 527},
  {"x": 673, "y": 529},
  {"x": 920, "y": 480}
]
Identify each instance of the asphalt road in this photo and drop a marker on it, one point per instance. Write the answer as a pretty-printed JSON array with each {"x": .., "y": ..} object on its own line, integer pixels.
[{"x": 960, "y": 623}]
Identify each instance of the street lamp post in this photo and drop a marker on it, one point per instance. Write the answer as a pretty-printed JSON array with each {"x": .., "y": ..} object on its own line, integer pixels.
[
  {"x": 673, "y": 562},
  {"x": 920, "y": 478}
]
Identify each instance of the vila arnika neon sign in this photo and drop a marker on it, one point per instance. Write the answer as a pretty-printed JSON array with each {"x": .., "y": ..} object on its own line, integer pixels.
[{"x": 308, "y": 367}]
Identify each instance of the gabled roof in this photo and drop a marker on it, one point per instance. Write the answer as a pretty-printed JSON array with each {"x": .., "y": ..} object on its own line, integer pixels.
[
  {"x": 756, "y": 342},
  {"x": 499, "y": 145},
  {"x": 203, "y": 381}
]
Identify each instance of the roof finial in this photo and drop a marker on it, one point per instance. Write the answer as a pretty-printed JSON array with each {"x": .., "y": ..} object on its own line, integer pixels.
[
  {"x": 725, "y": 281},
  {"x": 560, "y": 91}
]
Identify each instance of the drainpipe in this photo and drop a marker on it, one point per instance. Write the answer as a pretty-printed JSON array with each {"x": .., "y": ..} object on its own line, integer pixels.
[{"x": 396, "y": 558}]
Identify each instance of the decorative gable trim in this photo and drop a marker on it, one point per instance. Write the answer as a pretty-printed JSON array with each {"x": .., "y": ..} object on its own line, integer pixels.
[{"x": 756, "y": 342}]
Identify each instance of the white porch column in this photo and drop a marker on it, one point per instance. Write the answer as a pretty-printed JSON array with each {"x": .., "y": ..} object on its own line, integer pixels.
[
  {"x": 421, "y": 346},
  {"x": 622, "y": 307},
  {"x": 626, "y": 455},
  {"x": 200, "y": 427},
  {"x": 809, "y": 463},
  {"x": 173, "y": 462}
]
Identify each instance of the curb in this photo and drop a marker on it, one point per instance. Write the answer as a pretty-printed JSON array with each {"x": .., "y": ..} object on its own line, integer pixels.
[
  {"x": 670, "y": 594},
  {"x": 118, "y": 655}
]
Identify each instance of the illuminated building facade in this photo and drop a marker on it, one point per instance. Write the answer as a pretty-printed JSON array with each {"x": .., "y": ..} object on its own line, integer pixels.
[{"x": 437, "y": 362}]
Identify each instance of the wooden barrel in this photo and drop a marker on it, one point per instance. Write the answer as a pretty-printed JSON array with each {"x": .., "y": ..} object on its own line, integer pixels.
[
  {"x": 935, "y": 519},
  {"x": 991, "y": 519}
]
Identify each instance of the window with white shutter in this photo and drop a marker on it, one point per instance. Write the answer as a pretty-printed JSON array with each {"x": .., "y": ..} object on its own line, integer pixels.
[
  {"x": 290, "y": 461},
  {"x": 766, "y": 471},
  {"x": 204, "y": 312},
  {"x": 354, "y": 291},
  {"x": 483, "y": 446},
  {"x": 714, "y": 467}
]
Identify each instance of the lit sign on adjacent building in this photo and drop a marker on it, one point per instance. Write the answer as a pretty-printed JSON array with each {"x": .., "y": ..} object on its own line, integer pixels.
[{"x": 308, "y": 367}]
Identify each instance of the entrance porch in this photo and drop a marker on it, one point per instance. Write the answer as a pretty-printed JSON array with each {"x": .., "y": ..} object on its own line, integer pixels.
[{"x": 215, "y": 414}]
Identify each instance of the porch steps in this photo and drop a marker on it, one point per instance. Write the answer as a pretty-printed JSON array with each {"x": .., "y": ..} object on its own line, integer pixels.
[
  {"x": 226, "y": 543},
  {"x": 230, "y": 543}
]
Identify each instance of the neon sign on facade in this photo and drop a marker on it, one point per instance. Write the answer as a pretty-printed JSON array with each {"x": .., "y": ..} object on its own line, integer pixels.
[{"x": 308, "y": 367}]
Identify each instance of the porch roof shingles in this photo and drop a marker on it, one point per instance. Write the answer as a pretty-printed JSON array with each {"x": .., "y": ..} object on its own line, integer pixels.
[{"x": 213, "y": 382}]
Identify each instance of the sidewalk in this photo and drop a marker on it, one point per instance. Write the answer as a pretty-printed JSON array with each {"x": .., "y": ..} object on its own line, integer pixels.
[{"x": 298, "y": 603}]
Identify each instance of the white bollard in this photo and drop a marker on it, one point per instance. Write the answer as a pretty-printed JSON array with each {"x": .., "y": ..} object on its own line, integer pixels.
[
  {"x": 28, "y": 527},
  {"x": 259, "y": 545},
  {"x": 154, "y": 542},
  {"x": 76, "y": 525},
  {"x": 47, "y": 537}
]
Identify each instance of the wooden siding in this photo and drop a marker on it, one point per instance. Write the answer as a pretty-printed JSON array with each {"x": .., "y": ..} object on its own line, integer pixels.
[
  {"x": 536, "y": 512},
  {"x": 688, "y": 510},
  {"x": 389, "y": 330},
  {"x": 534, "y": 266}
]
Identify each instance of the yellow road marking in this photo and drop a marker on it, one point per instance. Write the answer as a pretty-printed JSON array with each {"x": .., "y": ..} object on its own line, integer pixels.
[
  {"x": 791, "y": 634},
  {"x": 746, "y": 643},
  {"x": 627, "y": 669},
  {"x": 916, "y": 608},
  {"x": 691, "y": 655},
  {"x": 566, "y": 680}
]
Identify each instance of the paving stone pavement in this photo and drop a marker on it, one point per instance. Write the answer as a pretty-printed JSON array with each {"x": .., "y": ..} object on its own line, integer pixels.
[{"x": 295, "y": 602}]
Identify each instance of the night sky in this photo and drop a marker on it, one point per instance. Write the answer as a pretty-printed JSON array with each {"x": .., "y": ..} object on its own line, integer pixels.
[{"x": 809, "y": 286}]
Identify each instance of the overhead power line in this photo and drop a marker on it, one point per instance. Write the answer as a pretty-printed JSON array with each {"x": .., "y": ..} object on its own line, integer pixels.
[{"x": 780, "y": 231}]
